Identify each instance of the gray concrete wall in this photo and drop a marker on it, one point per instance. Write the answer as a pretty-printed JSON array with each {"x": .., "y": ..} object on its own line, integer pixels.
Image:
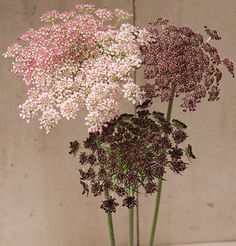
[{"x": 40, "y": 194}]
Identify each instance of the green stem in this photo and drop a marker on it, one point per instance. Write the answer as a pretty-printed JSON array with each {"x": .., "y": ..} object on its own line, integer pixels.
[
  {"x": 155, "y": 214},
  {"x": 137, "y": 217},
  {"x": 131, "y": 222},
  {"x": 131, "y": 226},
  {"x": 158, "y": 194},
  {"x": 110, "y": 224},
  {"x": 137, "y": 195},
  {"x": 169, "y": 110}
]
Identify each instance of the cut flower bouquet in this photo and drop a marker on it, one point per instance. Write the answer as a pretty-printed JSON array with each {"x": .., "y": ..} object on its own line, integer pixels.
[{"x": 81, "y": 60}]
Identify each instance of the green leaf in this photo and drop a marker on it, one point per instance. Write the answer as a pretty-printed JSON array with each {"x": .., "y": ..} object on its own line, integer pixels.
[{"x": 178, "y": 124}]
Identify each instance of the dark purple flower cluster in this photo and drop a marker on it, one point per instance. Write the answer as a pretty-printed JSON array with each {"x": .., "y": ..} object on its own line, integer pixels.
[
  {"x": 182, "y": 63},
  {"x": 132, "y": 151}
]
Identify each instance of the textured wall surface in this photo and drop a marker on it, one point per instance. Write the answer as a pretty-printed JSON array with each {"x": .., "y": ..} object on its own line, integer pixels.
[{"x": 40, "y": 194}]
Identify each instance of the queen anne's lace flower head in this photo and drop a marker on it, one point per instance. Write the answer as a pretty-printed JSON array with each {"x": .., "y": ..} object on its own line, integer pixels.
[
  {"x": 183, "y": 64},
  {"x": 78, "y": 61},
  {"x": 130, "y": 152}
]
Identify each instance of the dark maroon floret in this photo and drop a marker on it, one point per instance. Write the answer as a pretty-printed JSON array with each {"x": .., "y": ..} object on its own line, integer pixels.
[
  {"x": 179, "y": 136},
  {"x": 212, "y": 33},
  {"x": 74, "y": 147},
  {"x": 129, "y": 202},
  {"x": 109, "y": 205},
  {"x": 177, "y": 166},
  {"x": 83, "y": 158},
  {"x": 150, "y": 187},
  {"x": 96, "y": 189},
  {"x": 229, "y": 65}
]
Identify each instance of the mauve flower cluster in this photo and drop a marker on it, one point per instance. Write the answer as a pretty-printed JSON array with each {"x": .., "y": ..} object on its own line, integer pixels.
[
  {"x": 181, "y": 62},
  {"x": 132, "y": 151},
  {"x": 77, "y": 60}
]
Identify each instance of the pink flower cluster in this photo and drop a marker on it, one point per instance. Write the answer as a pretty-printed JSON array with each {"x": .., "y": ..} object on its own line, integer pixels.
[{"x": 76, "y": 61}]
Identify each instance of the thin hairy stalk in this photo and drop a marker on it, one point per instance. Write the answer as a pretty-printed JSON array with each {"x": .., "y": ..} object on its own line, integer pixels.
[
  {"x": 131, "y": 222},
  {"x": 135, "y": 113},
  {"x": 137, "y": 218},
  {"x": 110, "y": 224},
  {"x": 131, "y": 226},
  {"x": 158, "y": 194}
]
